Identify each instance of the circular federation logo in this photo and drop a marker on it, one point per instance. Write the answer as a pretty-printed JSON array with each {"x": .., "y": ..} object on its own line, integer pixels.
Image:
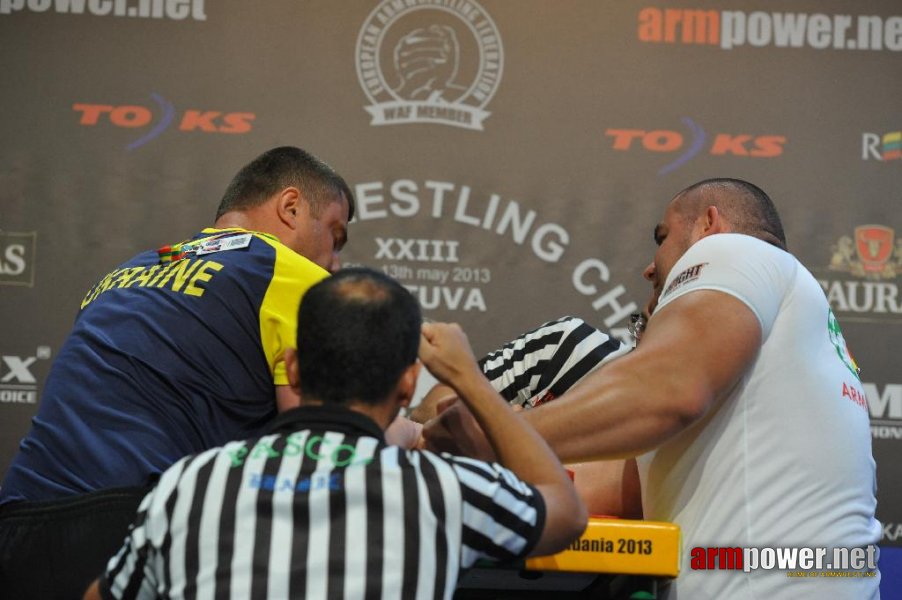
[{"x": 429, "y": 61}]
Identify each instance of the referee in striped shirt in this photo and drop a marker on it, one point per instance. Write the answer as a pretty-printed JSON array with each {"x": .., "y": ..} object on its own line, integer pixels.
[
  {"x": 321, "y": 507},
  {"x": 533, "y": 369}
]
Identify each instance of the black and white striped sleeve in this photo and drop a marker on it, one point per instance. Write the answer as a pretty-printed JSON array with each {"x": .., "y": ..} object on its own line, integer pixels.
[
  {"x": 132, "y": 572},
  {"x": 127, "y": 567},
  {"x": 542, "y": 364},
  {"x": 502, "y": 515}
]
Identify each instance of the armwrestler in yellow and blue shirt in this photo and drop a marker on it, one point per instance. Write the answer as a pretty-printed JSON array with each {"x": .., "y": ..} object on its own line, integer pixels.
[
  {"x": 167, "y": 358},
  {"x": 173, "y": 352}
]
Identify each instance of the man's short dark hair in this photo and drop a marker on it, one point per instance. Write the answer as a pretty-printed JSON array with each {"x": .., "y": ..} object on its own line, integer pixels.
[
  {"x": 283, "y": 167},
  {"x": 748, "y": 208},
  {"x": 357, "y": 332}
]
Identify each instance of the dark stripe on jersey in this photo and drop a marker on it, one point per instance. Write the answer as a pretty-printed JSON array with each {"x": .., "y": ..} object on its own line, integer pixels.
[
  {"x": 166, "y": 584},
  {"x": 491, "y": 476},
  {"x": 297, "y": 587},
  {"x": 583, "y": 367},
  {"x": 134, "y": 584},
  {"x": 564, "y": 353},
  {"x": 411, "y": 509},
  {"x": 479, "y": 541},
  {"x": 227, "y": 541},
  {"x": 337, "y": 534},
  {"x": 375, "y": 539},
  {"x": 139, "y": 522},
  {"x": 264, "y": 523},
  {"x": 496, "y": 512},
  {"x": 517, "y": 355},
  {"x": 192, "y": 536},
  {"x": 521, "y": 382},
  {"x": 437, "y": 502}
]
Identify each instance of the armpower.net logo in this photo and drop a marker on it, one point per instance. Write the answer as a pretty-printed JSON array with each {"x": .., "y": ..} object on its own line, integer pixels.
[
  {"x": 795, "y": 561},
  {"x": 730, "y": 29},
  {"x": 176, "y": 10}
]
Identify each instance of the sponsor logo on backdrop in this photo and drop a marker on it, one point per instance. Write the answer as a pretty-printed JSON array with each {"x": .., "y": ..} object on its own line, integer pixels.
[
  {"x": 17, "y": 251},
  {"x": 873, "y": 253},
  {"x": 440, "y": 273},
  {"x": 694, "y": 142},
  {"x": 429, "y": 61},
  {"x": 18, "y": 384},
  {"x": 729, "y": 29},
  {"x": 885, "y": 407},
  {"x": 892, "y": 531},
  {"x": 883, "y": 147},
  {"x": 866, "y": 266},
  {"x": 150, "y": 121},
  {"x": 176, "y": 10}
]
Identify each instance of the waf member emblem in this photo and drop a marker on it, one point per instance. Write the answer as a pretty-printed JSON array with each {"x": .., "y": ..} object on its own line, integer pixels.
[
  {"x": 424, "y": 62},
  {"x": 873, "y": 254}
]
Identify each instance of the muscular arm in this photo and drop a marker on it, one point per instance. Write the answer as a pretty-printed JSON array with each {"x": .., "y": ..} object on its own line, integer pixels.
[
  {"x": 693, "y": 352},
  {"x": 446, "y": 352},
  {"x": 533, "y": 369}
]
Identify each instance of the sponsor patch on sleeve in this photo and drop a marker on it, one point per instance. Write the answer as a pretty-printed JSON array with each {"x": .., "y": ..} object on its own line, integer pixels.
[
  {"x": 234, "y": 242},
  {"x": 690, "y": 274}
]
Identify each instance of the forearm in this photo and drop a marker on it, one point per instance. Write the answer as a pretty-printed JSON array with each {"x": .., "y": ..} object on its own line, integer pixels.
[
  {"x": 613, "y": 413},
  {"x": 519, "y": 448},
  {"x": 517, "y": 445},
  {"x": 638, "y": 402}
]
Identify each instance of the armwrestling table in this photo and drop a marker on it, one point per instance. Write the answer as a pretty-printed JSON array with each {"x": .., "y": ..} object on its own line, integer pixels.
[{"x": 614, "y": 559}]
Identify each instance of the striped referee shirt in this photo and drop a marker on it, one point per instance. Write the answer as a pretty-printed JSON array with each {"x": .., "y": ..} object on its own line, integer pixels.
[
  {"x": 321, "y": 508},
  {"x": 542, "y": 364}
]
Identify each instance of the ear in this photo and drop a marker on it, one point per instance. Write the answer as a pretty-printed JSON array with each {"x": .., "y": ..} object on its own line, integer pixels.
[
  {"x": 407, "y": 385},
  {"x": 291, "y": 369},
  {"x": 713, "y": 222},
  {"x": 288, "y": 206}
]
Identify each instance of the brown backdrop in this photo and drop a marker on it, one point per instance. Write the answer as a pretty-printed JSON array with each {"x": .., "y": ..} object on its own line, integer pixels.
[{"x": 517, "y": 181}]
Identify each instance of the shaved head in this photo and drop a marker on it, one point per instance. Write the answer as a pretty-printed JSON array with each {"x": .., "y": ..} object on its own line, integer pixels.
[{"x": 744, "y": 205}]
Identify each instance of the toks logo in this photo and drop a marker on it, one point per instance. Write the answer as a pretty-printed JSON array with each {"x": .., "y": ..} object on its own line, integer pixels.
[
  {"x": 135, "y": 116},
  {"x": 884, "y": 147},
  {"x": 17, "y": 258},
  {"x": 419, "y": 63},
  {"x": 667, "y": 141},
  {"x": 874, "y": 255}
]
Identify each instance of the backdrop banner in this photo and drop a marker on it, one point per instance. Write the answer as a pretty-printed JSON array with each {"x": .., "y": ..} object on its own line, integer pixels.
[{"x": 515, "y": 178}]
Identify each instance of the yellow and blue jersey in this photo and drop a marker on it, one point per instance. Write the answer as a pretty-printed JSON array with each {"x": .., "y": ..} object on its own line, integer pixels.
[{"x": 173, "y": 352}]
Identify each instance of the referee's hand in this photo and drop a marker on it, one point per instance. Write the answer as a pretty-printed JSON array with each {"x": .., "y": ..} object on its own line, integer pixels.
[{"x": 445, "y": 351}]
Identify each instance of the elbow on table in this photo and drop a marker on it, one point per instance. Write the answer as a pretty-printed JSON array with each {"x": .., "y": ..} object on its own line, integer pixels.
[
  {"x": 566, "y": 521},
  {"x": 578, "y": 520}
]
